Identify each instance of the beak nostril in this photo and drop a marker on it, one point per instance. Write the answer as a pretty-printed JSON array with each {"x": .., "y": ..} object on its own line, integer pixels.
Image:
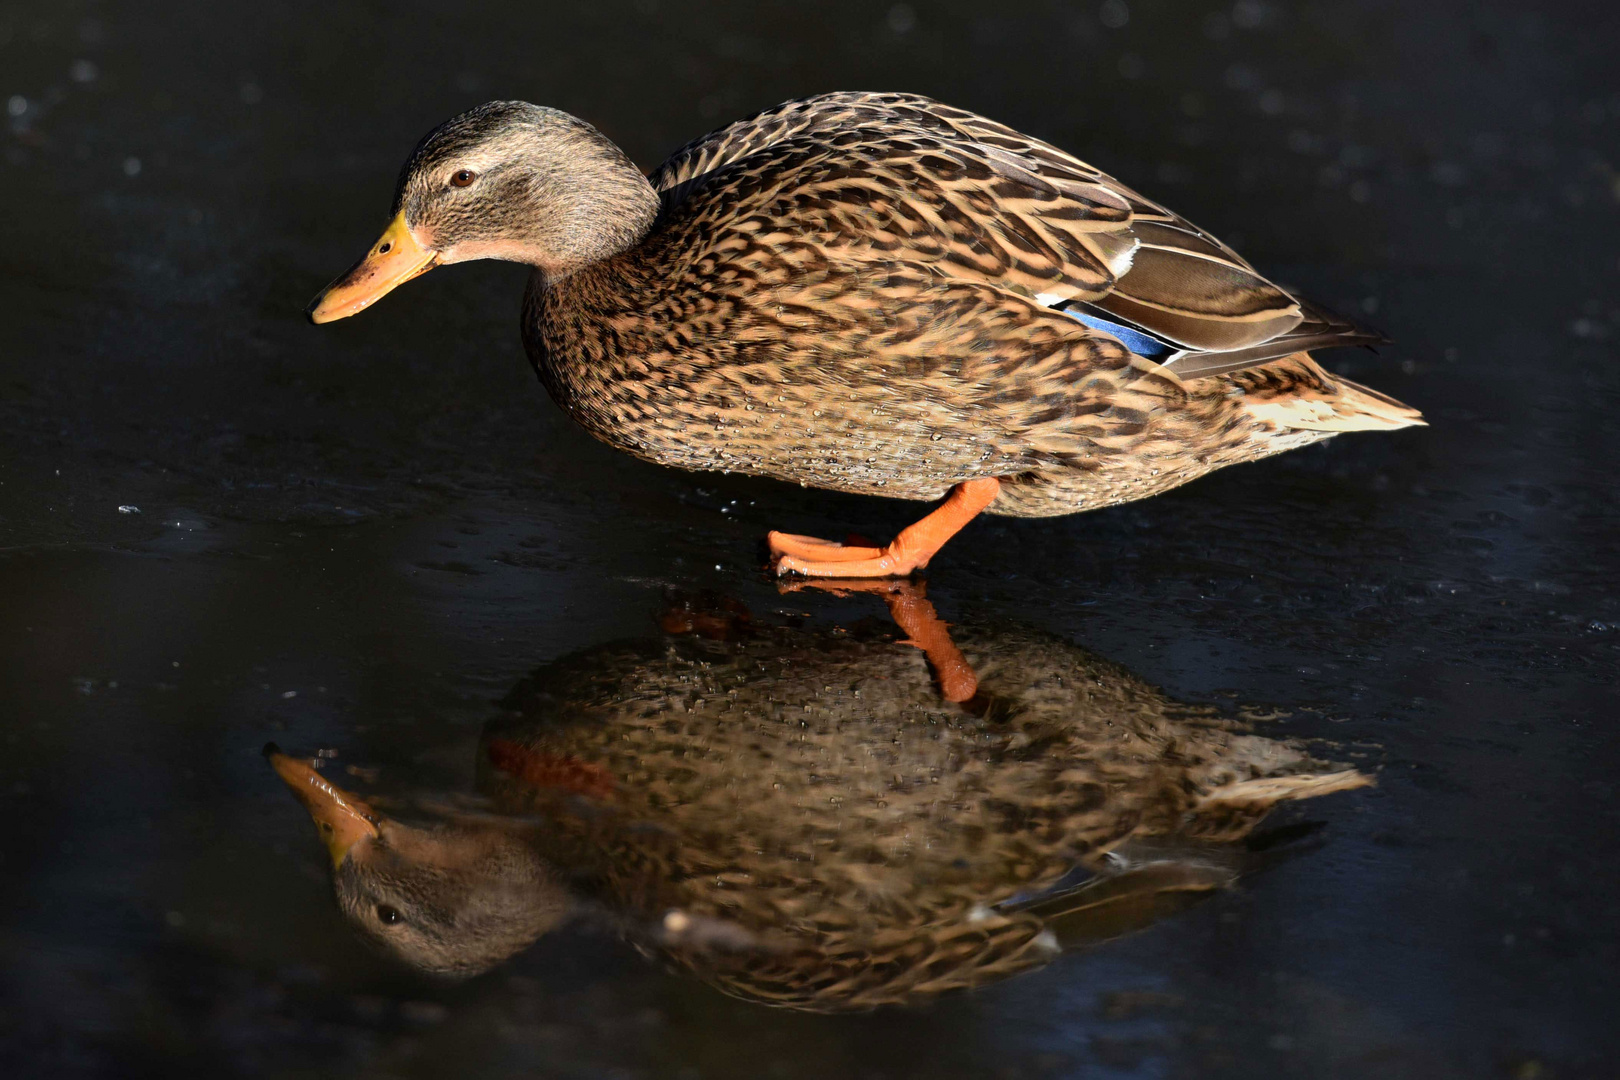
[{"x": 382, "y": 249}]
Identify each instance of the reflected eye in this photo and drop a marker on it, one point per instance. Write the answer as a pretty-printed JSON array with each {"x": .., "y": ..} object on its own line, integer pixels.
[
  {"x": 389, "y": 915},
  {"x": 463, "y": 177}
]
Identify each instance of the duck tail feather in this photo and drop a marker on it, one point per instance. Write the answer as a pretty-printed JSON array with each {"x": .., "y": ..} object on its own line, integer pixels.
[{"x": 1295, "y": 394}]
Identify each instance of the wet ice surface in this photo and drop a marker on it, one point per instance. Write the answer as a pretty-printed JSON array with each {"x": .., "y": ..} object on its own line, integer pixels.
[{"x": 358, "y": 538}]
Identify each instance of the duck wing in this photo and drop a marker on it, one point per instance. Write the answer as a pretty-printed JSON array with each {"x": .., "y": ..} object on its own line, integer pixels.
[
  {"x": 872, "y": 178},
  {"x": 908, "y": 179}
]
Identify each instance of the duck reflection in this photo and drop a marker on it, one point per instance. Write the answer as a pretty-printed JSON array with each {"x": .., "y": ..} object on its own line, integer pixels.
[{"x": 804, "y": 817}]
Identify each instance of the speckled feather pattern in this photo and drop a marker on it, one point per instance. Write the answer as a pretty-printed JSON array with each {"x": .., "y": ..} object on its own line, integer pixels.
[{"x": 857, "y": 292}]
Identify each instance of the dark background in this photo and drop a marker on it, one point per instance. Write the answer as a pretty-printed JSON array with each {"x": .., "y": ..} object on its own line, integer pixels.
[{"x": 359, "y": 536}]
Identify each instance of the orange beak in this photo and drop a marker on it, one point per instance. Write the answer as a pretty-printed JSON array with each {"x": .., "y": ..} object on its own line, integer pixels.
[
  {"x": 342, "y": 819},
  {"x": 393, "y": 260}
]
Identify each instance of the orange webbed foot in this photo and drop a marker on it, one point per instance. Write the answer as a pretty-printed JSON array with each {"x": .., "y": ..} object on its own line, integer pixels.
[
  {"x": 804, "y": 550},
  {"x": 811, "y": 557},
  {"x": 908, "y": 552}
]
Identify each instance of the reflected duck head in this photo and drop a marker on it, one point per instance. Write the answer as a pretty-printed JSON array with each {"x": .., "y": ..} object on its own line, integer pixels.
[{"x": 451, "y": 899}]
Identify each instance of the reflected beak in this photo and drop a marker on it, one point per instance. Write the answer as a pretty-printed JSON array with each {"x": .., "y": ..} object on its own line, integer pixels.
[
  {"x": 343, "y": 819},
  {"x": 393, "y": 260}
]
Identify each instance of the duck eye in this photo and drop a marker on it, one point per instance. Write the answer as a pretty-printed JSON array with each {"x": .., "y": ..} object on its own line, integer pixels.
[
  {"x": 389, "y": 915},
  {"x": 463, "y": 177}
]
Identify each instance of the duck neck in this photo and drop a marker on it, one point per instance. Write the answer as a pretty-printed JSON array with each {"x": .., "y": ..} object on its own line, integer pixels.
[{"x": 609, "y": 216}]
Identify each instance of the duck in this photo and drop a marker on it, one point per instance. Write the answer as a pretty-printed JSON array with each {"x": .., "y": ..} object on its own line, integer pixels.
[
  {"x": 874, "y": 293},
  {"x": 798, "y": 818}
]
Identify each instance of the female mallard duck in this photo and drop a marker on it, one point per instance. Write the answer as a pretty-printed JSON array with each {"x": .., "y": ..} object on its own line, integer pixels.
[
  {"x": 798, "y": 818},
  {"x": 874, "y": 293}
]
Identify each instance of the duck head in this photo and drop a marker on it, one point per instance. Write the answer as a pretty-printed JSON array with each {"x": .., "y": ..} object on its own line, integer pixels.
[
  {"x": 507, "y": 180},
  {"x": 450, "y": 900}
]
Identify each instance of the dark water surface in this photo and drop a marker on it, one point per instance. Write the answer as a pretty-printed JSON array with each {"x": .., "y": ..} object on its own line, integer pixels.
[{"x": 361, "y": 538}]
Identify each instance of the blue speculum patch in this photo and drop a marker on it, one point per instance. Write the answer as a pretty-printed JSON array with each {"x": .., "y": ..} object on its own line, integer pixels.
[{"x": 1139, "y": 343}]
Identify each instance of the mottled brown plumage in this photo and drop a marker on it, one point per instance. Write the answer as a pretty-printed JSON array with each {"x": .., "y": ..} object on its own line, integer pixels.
[{"x": 879, "y": 293}]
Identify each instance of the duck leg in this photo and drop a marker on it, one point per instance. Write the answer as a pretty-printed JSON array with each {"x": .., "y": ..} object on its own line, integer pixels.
[{"x": 909, "y": 551}]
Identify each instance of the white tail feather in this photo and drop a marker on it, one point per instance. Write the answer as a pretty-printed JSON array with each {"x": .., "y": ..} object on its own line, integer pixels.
[{"x": 1347, "y": 406}]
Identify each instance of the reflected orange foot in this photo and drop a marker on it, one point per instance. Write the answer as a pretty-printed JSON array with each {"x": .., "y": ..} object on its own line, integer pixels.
[
  {"x": 927, "y": 631},
  {"x": 924, "y": 629},
  {"x": 908, "y": 552}
]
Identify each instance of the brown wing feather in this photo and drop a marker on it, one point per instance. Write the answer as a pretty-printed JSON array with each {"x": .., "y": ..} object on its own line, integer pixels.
[
  {"x": 903, "y": 176},
  {"x": 881, "y": 196},
  {"x": 1319, "y": 329}
]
